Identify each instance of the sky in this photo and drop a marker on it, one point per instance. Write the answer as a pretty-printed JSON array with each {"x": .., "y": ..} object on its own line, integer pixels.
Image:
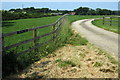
[
  {"x": 60, "y": 0},
  {"x": 60, "y": 5}
]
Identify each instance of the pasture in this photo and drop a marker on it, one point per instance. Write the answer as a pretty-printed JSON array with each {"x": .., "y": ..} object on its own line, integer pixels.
[
  {"x": 66, "y": 36},
  {"x": 16, "y": 25}
]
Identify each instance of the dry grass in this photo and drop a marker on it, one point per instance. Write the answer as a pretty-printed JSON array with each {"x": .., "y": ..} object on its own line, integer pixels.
[{"x": 74, "y": 62}]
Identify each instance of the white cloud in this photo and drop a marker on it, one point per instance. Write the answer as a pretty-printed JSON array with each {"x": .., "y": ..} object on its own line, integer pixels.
[{"x": 60, "y": 0}]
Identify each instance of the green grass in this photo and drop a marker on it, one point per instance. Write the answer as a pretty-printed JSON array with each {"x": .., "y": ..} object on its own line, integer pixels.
[
  {"x": 77, "y": 40},
  {"x": 98, "y": 64},
  {"x": 64, "y": 63},
  {"x": 106, "y": 26},
  {"x": 15, "y": 25},
  {"x": 112, "y": 60},
  {"x": 13, "y": 63},
  {"x": 79, "y": 17}
]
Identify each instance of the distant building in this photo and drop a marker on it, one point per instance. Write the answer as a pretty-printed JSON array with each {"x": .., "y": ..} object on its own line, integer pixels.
[
  {"x": 57, "y": 13},
  {"x": 72, "y": 13}
]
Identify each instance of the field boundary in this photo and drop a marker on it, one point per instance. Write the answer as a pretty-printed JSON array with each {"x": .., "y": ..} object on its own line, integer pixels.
[
  {"x": 110, "y": 22},
  {"x": 55, "y": 33}
]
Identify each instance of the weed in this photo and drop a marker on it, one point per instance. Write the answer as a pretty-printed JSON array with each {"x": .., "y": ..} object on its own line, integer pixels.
[
  {"x": 112, "y": 60},
  {"x": 58, "y": 60},
  {"x": 77, "y": 40},
  {"x": 100, "y": 52},
  {"x": 64, "y": 63},
  {"x": 82, "y": 55},
  {"x": 98, "y": 64}
]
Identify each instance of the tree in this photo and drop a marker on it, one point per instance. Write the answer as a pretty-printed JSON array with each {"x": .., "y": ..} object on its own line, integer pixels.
[
  {"x": 91, "y": 12},
  {"x": 45, "y": 10},
  {"x": 82, "y": 11},
  {"x": 103, "y": 11},
  {"x": 98, "y": 11},
  {"x": 12, "y": 10}
]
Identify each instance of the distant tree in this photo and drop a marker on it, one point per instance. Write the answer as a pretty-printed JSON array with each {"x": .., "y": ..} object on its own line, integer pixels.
[
  {"x": 6, "y": 15},
  {"x": 18, "y": 10},
  {"x": 91, "y": 12},
  {"x": 45, "y": 10},
  {"x": 25, "y": 9},
  {"x": 57, "y": 10},
  {"x": 32, "y": 12},
  {"x": 103, "y": 11},
  {"x": 115, "y": 12},
  {"x": 98, "y": 11},
  {"x": 32, "y": 8},
  {"x": 12, "y": 10},
  {"x": 65, "y": 11},
  {"x": 82, "y": 10}
]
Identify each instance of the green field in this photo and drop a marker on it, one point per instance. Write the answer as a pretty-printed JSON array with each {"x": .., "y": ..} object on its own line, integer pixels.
[
  {"x": 114, "y": 27},
  {"x": 15, "y": 25},
  {"x": 66, "y": 37}
]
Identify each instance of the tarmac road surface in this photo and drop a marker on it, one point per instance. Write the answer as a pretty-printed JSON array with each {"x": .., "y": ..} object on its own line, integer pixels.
[{"x": 103, "y": 39}]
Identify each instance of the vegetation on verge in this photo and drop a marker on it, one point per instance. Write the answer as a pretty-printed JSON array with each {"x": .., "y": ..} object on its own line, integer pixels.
[{"x": 69, "y": 62}]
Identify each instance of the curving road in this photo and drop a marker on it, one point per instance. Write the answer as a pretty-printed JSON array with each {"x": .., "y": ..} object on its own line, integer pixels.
[{"x": 103, "y": 39}]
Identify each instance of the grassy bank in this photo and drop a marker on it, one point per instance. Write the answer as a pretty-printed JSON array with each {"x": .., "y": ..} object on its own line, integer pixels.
[
  {"x": 12, "y": 63},
  {"x": 106, "y": 26}
]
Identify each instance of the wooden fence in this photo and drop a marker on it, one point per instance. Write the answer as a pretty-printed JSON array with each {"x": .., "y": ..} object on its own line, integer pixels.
[
  {"x": 54, "y": 34},
  {"x": 110, "y": 21}
]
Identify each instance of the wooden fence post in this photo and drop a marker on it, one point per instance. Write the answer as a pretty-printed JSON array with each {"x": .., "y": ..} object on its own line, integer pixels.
[
  {"x": 110, "y": 21},
  {"x": 2, "y": 47},
  {"x": 53, "y": 36},
  {"x": 103, "y": 20},
  {"x": 34, "y": 41}
]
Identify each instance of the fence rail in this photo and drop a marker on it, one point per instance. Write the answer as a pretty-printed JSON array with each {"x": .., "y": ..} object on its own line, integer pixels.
[
  {"x": 110, "y": 21},
  {"x": 35, "y": 37}
]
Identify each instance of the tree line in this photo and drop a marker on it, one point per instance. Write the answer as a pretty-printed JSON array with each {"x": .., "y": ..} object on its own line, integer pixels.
[
  {"x": 32, "y": 12},
  {"x": 98, "y": 11}
]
